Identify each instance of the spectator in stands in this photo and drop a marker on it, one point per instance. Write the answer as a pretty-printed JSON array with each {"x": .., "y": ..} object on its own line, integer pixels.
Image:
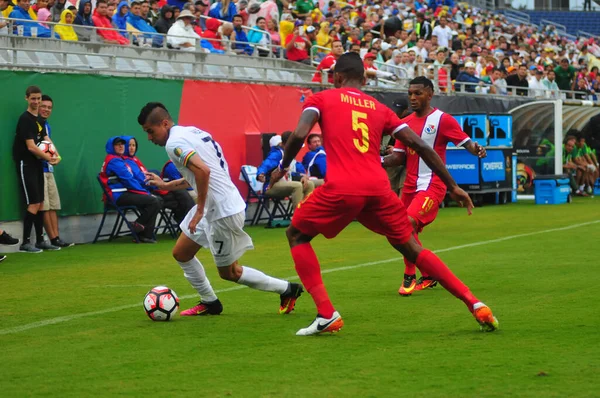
[
  {"x": 145, "y": 11},
  {"x": 125, "y": 190},
  {"x": 22, "y": 11},
  {"x": 44, "y": 15},
  {"x": 165, "y": 21},
  {"x": 468, "y": 76},
  {"x": 181, "y": 34},
  {"x": 565, "y": 75},
  {"x": 239, "y": 38},
  {"x": 298, "y": 44},
  {"x": 3, "y": 22},
  {"x": 314, "y": 161},
  {"x": 65, "y": 29},
  {"x": 224, "y": 10},
  {"x": 102, "y": 20},
  {"x": 136, "y": 21},
  {"x": 423, "y": 28},
  {"x": 328, "y": 63},
  {"x": 177, "y": 4},
  {"x": 154, "y": 12},
  {"x": 120, "y": 18},
  {"x": 83, "y": 21},
  {"x": 269, "y": 10},
  {"x": 273, "y": 30},
  {"x": 443, "y": 33},
  {"x": 39, "y": 5},
  {"x": 201, "y": 8},
  {"x": 179, "y": 201},
  {"x": 212, "y": 35},
  {"x": 394, "y": 64},
  {"x": 550, "y": 84},
  {"x": 303, "y": 8},
  {"x": 57, "y": 9},
  {"x": 582, "y": 92},
  {"x": 536, "y": 86},
  {"x": 518, "y": 80},
  {"x": 499, "y": 81},
  {"x": 287, "y": 186},
  {"x": 51, "y": 202},
  {"x": 262, "y": 39}
]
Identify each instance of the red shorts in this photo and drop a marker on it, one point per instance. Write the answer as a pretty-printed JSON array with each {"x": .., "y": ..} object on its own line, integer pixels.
[
  {"x": 328, "y": 213},
  {"x": 422, "y": 207}
]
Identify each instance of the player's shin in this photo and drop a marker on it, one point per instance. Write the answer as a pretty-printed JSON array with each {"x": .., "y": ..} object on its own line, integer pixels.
[
  {"x": 195, "y": 274},
  {"x": 309, "y": 271},
  {"x": 432, "y": 265},
  {"x": 260, "y": 281}
]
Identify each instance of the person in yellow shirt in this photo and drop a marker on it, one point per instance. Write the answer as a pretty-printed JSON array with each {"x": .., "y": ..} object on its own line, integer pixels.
[
  {"x": 65, "y": 29},
  {"x": 9, "y": 7}
]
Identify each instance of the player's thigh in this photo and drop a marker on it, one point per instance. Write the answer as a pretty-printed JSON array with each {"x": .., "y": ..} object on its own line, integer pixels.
[
  {"x": 51, "y": 190},
  {"x": 386, "y": 215},
  {"x": 227, "y": 239},
  {"x": 32, "y": 182},
  {"x": 185, "y": 248},
  {"x": 327, "y": 213},
  {"x": 424, "y": 208},
  {"x": 201, "y": 234}
]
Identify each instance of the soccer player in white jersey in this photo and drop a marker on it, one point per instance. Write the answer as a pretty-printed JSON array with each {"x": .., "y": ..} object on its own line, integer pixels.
[{"x": 217, "y": 221}]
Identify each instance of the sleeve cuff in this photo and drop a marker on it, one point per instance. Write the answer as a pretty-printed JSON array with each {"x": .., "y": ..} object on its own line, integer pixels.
[
  {"x": 399, "y": 150},
  {"x": 312, "y": 108},
  {"x": 403, "y": 125},
  {"x": 463, "y": 142}
]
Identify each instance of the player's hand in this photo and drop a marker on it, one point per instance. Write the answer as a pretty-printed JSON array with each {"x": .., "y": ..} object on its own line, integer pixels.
[
  {"x": 304, "y": 180},
  {"x": 389, "y": 150},
  {"x": 196, "y": 219},
  {"x": 154, "y": 180},
  {"x": 481, "y": 152},
  {"x": 54, "y": 160},
  {"x": 462, "y": 198},
  {"x": 276, "y": 175},
  {"x": 260, "y": 177}
]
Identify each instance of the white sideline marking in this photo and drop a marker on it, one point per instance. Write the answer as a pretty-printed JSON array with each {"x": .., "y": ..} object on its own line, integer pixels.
[{"x": 67, "y": 318}]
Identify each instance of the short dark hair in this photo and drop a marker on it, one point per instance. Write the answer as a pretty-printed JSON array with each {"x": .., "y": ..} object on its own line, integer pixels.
[
  {"x": 32, "y": 90},
  {"x": 336, "y": 41},
  {"x": 237, "y": 16},
  {"x": 311, "y": 136},
  {"x": 260, "y": 19},
  {"x": 422, "y": 80},
  {"x": 46, "y": 97},
  {"x": 101, "y": 2},
  {"x": 148, "y": 114},
  {"x": 523, "y": 66},
  {"x": 351, "y": 65}
]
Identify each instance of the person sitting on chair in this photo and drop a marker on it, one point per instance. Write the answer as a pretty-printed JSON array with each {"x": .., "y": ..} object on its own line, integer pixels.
[
  {"x": 126, "y": 190},
  {"x": 287, "y": 186},
  {"x": 178, "y": 201},
  {"x": 314, "y": 161}
]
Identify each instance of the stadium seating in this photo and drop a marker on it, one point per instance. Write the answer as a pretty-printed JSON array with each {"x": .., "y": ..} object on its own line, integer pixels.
[{"x": 573, "y": 20}]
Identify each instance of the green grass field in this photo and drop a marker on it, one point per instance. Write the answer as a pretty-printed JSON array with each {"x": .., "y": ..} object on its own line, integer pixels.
[{"x": 72, "y": 323}]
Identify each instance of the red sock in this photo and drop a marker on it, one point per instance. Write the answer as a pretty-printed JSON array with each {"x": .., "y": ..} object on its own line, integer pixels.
[
  {"x": 309, "y": 271},
  {"x": 430, "y": 263},
  {"x": 410, "y": 268}
]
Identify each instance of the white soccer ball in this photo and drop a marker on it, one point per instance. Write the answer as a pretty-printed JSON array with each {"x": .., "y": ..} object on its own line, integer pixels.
[
  {"x": 47, "y": 147},
  {"x": 161, "y": 303}
]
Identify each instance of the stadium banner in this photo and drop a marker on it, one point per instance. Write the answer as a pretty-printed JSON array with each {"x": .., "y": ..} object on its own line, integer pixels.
[
  {"x": 495, "y": 172},
  {"x": 88, "y": 109}
]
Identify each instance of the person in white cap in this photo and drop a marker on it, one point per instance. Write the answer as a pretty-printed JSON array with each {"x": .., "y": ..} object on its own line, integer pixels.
[
  {"x": 295, "y": 184},
  {"x": 468, "y": 76},
  {"x": 181, "y": 35}
]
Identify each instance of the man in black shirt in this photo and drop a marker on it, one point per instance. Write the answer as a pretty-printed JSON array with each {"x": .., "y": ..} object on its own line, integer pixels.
[
  {"x": 518, "y": 80},
  {"x": 28, "y": 157}
]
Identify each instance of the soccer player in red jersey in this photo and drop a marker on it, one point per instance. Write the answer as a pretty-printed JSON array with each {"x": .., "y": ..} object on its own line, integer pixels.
[
  {"x": 328, "y": 63},
  {"x": 423, "y": 190},
  {"x": 352, "y": 124}
]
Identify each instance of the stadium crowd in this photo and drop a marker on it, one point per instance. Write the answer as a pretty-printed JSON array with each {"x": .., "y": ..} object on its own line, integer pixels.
[{"x": 463, "y": 48}]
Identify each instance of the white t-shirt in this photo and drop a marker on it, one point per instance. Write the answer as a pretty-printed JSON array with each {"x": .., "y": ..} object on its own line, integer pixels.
[
  {"x": 223, "y": 199},
  {"x": 443, "y": 34}
]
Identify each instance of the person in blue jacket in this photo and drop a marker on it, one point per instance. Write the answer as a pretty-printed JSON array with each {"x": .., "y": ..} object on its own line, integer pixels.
[
  {"x": 120, "y": 18},
  {"x": 21, "y": 11},
  {"x": 468, "y": 76},
  {"x": 134, "y": 18},
  {"x": 223, "y": 9},
  {"x": 83, "y": 23},
  {"x": 178, "y": 201},
  {"x": 241, "y": 38},
  {"x": 314, "y": 161},
  {"x": 125, "y": 190},
  {"x": 295, "y": 185}
]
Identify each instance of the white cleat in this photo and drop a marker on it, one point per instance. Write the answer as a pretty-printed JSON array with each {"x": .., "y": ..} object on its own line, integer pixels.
[{"x": 323, "y": 325}]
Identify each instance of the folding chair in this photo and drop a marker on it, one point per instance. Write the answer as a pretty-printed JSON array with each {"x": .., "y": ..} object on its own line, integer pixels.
[
  {"x": 110, "y": 205},
  {"x": 279, "y": 211}
]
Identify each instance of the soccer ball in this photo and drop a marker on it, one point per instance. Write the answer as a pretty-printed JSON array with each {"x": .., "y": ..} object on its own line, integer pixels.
[
  {"x": 161, "y": 303},
  {"x": 47, "y": 147}
]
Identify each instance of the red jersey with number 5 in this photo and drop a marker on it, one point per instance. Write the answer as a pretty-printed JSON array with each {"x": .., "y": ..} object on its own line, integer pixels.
[
  {"x": 436, "y": 129},
  {"x": 352, "y": 125}
]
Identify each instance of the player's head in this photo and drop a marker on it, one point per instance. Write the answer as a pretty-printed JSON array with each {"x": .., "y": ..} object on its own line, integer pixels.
[
  {"x": 349, "y": 71},
  {"x": 420, "y": 92},
  {"x": 46, "y": 106},
  {"x": 33, "y": 96},
  {"x": 156, "y": 122}
]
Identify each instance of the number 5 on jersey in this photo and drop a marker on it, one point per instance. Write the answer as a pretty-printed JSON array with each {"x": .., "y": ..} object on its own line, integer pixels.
[{"x": 361, "y": 144}]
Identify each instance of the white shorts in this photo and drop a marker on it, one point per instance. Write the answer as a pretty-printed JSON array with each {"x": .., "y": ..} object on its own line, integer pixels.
[{"x": 225, "y": 237}]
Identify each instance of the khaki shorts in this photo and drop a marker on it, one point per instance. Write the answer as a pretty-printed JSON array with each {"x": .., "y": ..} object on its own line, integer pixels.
[
  {"x": 225, "y": 237},
  {"x": 51, "y": 197}
]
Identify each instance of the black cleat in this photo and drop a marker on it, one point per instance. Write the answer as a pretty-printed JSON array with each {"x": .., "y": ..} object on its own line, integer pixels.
[{"x": 288, "y": 299}]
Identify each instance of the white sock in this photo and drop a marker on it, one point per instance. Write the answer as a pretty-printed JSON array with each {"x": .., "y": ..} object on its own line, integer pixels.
[
  {"x": 258, "y": 280},
  {"x": 194, "y": 273}
]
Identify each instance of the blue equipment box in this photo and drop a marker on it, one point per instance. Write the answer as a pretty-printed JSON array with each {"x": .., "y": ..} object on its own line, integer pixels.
[
  {"x": 500, "y": 129},
  {"x": 476, "y": 127},
  {"x": 551, "y": 189}
]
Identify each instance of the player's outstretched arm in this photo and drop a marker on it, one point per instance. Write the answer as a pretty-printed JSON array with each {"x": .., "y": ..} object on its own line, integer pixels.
[
  {"x": 307, "y": 120},
  {"x": 475, "y": 149},
  {"x": 175, "y": 185},
  {"x": 425, "y": 152}
]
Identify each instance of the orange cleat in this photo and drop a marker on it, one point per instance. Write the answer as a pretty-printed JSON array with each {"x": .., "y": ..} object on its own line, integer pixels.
[
  {"x": 408, "y": 285},
  {"x": 483, "y": 314},
  {"x": 425, "y": 282}
]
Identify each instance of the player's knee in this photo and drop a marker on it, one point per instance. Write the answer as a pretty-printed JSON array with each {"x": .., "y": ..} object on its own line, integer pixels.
[
  {"x": 180, "y": 255},
  {"x": 413, "y": 222},
  {"x": 295, "y": 237}
]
